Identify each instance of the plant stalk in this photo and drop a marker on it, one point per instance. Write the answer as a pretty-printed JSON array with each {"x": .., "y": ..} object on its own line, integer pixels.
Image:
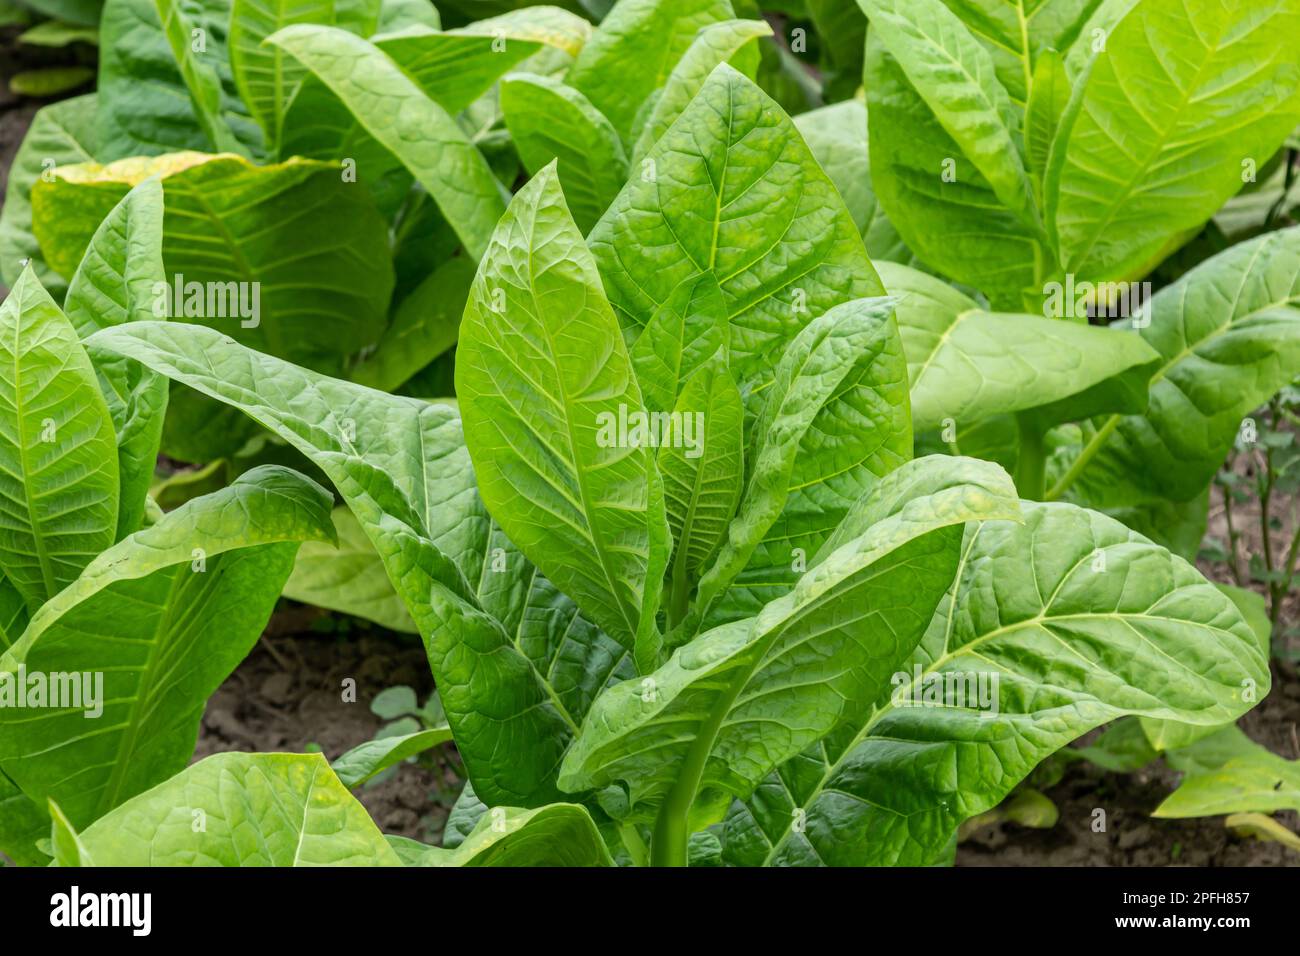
[
  {"x": 679, "y": 591},
  {"x": 1031, "y": 466}
]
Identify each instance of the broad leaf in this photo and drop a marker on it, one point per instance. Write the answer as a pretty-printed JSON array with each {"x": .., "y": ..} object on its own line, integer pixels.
[
  {"x": 256, "y": 809},
  {"x": 955, "y": 76},
  {"x": 408, "y": 480},
  {"x": 702, "y": 478},
  {"x": 546, "y": 389},
  {"x": 350, "y": 578},
  {"x": 374, "y": 756},
  {"x": 834, "y": 419},
  {"x": 1080, "y": 621},
  {"x": 59, "y": 481},
  {"x": 714, "y": 44},
  {"x": 265, "y": 76},
  {"x": 549, "y": 120},
  {"x": 559, "y": 834},
  {"x": 453, "y": 68},
  {"x": 158, "y": 621},
  {"x": 966, "y": 364},
  {"x": 158, "y": 93},
  {"x": 400, "y": 116},
  {"x": 682, "y": 334},
  {"x": 749, "y": 695},
  {"x": 942, "y": 206},
  {"x": 1180, "y": 95},
  {"x": 837, "y": 136},
  {"x": 116, "y": 282},
  {"x": 1229, "y": 773},
  {"x": 313, "y": 244},
  {"x": 635, "y": 50},
  {"x": 1228, "y": 334},
  {"x": 731, "y": 189}
]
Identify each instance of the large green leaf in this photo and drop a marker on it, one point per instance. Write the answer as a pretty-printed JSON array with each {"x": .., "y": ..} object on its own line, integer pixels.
[
  {"x": 266, "y": 78},
  {"x": 546, "y": 388},
  {"x": 549, "y": 120},
  {"x": 114, "y": 283},
  {"x": 1230, "y": 773},
  {"x": 739, "y": 700},
  {"x": 559, "y": 834},
  {"x": 702, "y": 481},
  {"x": 60, "y": 134},
  {"x": 945, "y": 210},
  {"x": 1018, "y": 33},
  {"x": 453, "y": 68},
  {"x": 834, "y": 420},
  {"x": 402, "y": 117},
  {"x": 1082, "y": 622},
  {"x": 458, "y": 66},
  {"x": 239, "y": 810},
  {"x": 716, "y": 43},
  {"x": 159, "y": 620},
  {"x": 402, "y": 467},
  {"x": 188, "y": 44},
  {"x": 1182, "y": 93},
  {"x": 954, "y": 74},
  {"x": 350, "y": 578},
  {"x": 59, "y": 477},
  {"x": 966, "y": 364},
  {"x": 313, "y": 243},
  {"x": 682, "y": 334},
  {"x": 731, "y": 189},
  {"x": 1228, "y": 333},
  {"x": 160, "y": 93},
  {"x": 635, "y": 50},
  {"x": 837, "y": 136}
]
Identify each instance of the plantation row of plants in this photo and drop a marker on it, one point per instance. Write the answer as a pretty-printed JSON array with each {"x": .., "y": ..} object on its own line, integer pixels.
[{"x": 786, "y": 430}]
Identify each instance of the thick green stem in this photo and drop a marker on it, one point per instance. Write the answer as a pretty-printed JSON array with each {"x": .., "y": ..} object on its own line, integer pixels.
[
  {"x": 1084, "y": 457},
  {"x": 668, "y": 845},
  {"x": 636, "y": 847},
  {"x": 1031, "y": 467},
  {"x": 679, "y": 591}
]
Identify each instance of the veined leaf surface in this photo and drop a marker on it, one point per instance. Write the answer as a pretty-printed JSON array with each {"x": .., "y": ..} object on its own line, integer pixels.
[{"x": 546, "y": 388}]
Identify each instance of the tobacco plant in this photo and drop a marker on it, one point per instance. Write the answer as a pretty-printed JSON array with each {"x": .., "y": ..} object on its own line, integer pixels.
[
  {"x": 137, "y": 615},
  {"x": 698, "y": 654}
]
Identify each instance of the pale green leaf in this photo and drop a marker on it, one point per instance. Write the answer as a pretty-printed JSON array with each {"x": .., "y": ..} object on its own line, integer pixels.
[
  {"x": 414, "y": 128},
  {"x": 546, "y": 388},
  {"x": 1180, "y": 96},
  {"x": 549, "y": 120},
  {"x": 257, "y": 810},
  {"x": 1081, "y": 621},
  {"x": 374, "y": 756},
  {"x": 58, "y": 461},
  {"x": 157, "y": 621},
  {"x": 714, "y": 44},
  {"x": 731, "y": 189},
  {"x": 634, "y": 52},
  {"x": 560, "y": 834},
  {"x": 966, "y": 364},
  {"x": 350, "y": 578},
  {"x": 741, "y": 699}
]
